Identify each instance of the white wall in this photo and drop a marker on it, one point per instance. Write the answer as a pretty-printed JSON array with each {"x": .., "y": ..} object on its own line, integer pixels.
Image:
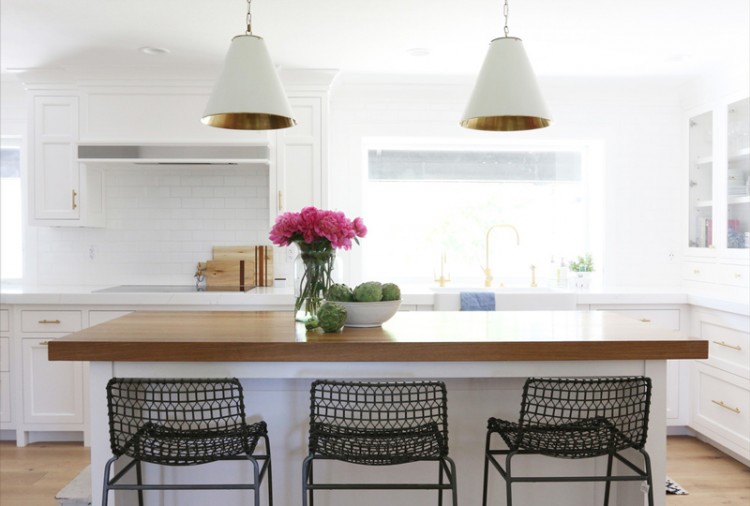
[
  {"x": 638, "y": 123},
  {"x": 147, "y": 239}
]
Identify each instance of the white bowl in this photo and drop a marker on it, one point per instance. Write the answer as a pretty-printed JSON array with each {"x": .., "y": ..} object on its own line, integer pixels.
[{"x": 369, "y": 314}]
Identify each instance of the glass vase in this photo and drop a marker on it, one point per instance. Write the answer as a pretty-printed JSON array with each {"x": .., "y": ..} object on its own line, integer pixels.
[{"x": 314, "y": 272}]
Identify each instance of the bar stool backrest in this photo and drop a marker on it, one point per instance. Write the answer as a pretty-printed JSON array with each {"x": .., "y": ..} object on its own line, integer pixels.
[
  {"x": 621, "y": 402},
  {"x": 372, "y": 407},
  {"x": 171, "y": 408}
]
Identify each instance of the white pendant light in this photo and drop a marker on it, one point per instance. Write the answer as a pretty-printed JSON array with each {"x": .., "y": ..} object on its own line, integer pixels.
[
  {"x": 506, "y": 96},
  {"x": 249, "y": 94}
]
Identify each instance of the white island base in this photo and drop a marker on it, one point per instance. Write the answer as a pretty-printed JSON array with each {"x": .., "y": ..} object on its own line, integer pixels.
[{"x": 278, "y": 392}]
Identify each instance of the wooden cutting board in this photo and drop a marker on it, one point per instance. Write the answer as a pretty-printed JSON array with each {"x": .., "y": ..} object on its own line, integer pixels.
[
  {"x": 229, "y": 274},
  {"x": 258, "y": 261}
]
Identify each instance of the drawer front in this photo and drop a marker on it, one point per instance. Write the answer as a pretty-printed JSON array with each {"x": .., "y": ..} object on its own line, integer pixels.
[
  {"x": 699, "y": 271},
  {"x": 97, "y": 317},
  {"x": 735, "y": 275},
  {"x": 4, "y": 320},
  {"x": 728, "y": 348},
  {"x": 666, "y": 318},
  {"x": 50, "y": 321},
  {"x": 722, "y": 407},
  {"x": 4, "y": 354}
]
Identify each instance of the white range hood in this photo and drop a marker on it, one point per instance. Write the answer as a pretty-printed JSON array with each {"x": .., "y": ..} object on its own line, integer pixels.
[{"x": 175, "y": 154}]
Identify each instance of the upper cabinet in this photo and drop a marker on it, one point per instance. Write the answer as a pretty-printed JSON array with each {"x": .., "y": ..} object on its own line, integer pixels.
[
  {"x": 718, "y": 205},
  {"x": 719, "y": 181},
  {"x": 62, "y": 192},
  {"x": 701, "y": 171},
  {"x": 738, "y": 174}
]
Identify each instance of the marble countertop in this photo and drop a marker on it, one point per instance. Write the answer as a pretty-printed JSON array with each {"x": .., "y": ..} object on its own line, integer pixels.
[{"x": 283, "y": 297}]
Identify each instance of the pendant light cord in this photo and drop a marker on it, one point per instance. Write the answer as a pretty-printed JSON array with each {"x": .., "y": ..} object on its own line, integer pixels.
[
  {"x": 505, "y": 13},
  {"x": 250, "y": 20}
]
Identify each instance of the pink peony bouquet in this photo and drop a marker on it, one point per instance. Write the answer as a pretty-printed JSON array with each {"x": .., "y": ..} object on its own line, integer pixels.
[{"x": 317, "y": 228}]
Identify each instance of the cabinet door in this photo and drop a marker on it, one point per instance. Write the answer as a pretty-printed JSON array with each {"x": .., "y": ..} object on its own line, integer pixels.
[
  {"x": 700, "y": 184},
  {"x": 52, "y": 391},
  {"x": 738, "y": 175},
  {"x": 55, "y": 170},
  {"x": 300, "y": 152}
]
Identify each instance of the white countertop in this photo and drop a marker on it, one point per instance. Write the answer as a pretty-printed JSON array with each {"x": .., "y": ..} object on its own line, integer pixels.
[{"x": 283, "y": 298}]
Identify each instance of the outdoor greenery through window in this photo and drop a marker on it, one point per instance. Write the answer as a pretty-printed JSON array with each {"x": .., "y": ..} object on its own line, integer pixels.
[
  {"x": 11, "y": 252},
  {"x": 422, "y": 205}
]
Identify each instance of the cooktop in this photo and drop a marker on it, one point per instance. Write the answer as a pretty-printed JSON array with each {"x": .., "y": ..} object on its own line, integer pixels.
[{"x": 171, "y": 289}]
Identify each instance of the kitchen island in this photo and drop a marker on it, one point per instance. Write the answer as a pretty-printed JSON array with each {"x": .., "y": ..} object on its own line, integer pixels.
[{"x": 483, "y": 357}]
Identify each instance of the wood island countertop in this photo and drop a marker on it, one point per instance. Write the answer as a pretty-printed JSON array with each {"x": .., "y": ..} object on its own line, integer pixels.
[{"x": 421, "y": 336}]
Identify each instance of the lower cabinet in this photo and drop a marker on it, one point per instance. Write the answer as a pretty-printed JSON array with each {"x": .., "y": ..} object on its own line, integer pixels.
[
  {"x": 51, "y": 395},
  {"x": 52, "y": 391},
  {"x": 721, "y": 408},
  {"x": 670, "y": 318},
  {"x": 721, "y": 384}
]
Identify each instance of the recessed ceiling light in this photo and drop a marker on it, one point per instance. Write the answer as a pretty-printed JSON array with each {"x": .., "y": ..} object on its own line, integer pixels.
[
  {"x": 677, "y": 58},
  {"x": 153, "y": 51},
  {"x": 418, "y": 52}
]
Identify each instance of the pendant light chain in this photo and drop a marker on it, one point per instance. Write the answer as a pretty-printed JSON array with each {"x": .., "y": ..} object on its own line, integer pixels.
[
  {"x": 249, "y": 19},
  {"x": 505, "y": 13}
]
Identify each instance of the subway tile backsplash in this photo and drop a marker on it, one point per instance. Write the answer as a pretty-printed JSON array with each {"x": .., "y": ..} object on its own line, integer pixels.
[{"x": 160, "y": 222}]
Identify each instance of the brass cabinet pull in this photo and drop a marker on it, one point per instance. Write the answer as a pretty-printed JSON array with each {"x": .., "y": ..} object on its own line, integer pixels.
[
  {"x": 696, "y": 271},
  {"x": 45, "y": 322},
  {"x": 279, "y": 201},
  {"x": 721, "y": 404},
  {"x": 44, "y": 343},
  {"x": 73, "y": 200},
  {"x": 734, "y": 347},
  {"x": 645, "y": 320}
]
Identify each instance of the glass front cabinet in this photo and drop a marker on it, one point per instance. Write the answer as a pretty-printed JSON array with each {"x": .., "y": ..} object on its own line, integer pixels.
[
  {"x": 738, "y": 175},
  {"x": 719, "y": 181}
]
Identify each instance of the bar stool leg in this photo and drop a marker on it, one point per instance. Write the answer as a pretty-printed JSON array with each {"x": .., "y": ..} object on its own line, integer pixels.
[
  {"x": 610, "y": 458},
  {"x": 508, "y": 481},
  {"x": 486, "y": 468},
  {"x": 139, "y": 481}
]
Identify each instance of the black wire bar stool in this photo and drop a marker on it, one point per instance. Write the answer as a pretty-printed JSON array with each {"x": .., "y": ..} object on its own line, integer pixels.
[
  {"x": 576, "y": 418},
  {"x": 182, "y": 422},
  {"x": 379, "y": 424}
]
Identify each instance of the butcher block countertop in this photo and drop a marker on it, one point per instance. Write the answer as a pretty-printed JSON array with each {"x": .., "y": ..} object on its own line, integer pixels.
[{"x": 419, "y": 336}]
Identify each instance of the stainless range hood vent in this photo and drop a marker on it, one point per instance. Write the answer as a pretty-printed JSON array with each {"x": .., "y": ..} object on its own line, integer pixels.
[{"x": 175, "y": 154}]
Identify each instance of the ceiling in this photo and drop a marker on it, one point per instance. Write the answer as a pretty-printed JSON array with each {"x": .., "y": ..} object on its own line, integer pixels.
[{"x": 432, "y": 37}]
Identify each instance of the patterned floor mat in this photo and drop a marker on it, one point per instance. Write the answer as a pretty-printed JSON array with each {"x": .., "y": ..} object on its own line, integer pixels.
[{"x": 675, "y": 488}]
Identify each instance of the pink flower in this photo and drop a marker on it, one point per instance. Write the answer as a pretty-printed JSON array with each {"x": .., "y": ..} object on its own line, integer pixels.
[
  {"x": 312, "y": 225},
  {"x": 359, "y": 227}
]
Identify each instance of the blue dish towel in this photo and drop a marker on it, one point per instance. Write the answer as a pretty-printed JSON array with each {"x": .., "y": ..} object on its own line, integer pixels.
[{"x": 477, "y": 301}]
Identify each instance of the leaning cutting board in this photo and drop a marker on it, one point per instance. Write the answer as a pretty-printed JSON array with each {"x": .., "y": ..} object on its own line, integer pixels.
[
  {"x": 229, "y": 274},
  {"x": 258, "y": 261}
]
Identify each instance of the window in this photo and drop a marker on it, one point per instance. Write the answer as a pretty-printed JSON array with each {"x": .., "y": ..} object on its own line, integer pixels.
[
  {"x": 427, "y": 202},
  {"x": 11, "y": 249}
]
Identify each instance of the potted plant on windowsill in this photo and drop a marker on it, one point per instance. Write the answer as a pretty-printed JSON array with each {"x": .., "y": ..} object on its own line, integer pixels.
[{"x": 581, "y": 269}]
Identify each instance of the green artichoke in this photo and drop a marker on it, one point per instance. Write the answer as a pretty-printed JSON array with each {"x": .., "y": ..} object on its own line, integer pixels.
[
  {"x": 339, "y": 292},
  {"x": 369, "y": 291},
  {"x": 331, "y": 316},
  {"x": 391, "y": 291}
]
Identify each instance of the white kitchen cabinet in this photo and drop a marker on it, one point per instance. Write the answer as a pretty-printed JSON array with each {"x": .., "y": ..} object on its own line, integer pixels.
[
  {"x": 300, "y": 169},
  {"x": 6, "y": 397},
  {"x": 52, "y": 393},
  {"x": 721, "y": 384},
  {"x": 62, "y": 192},
  {"x": 717, "y": 253},
  {"x": 677, "y": 374}
]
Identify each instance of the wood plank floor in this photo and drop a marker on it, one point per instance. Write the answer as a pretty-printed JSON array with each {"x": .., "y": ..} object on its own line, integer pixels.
[
  {"x": 32, "y": 476},
  {"x": 710, "y": 477}
]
